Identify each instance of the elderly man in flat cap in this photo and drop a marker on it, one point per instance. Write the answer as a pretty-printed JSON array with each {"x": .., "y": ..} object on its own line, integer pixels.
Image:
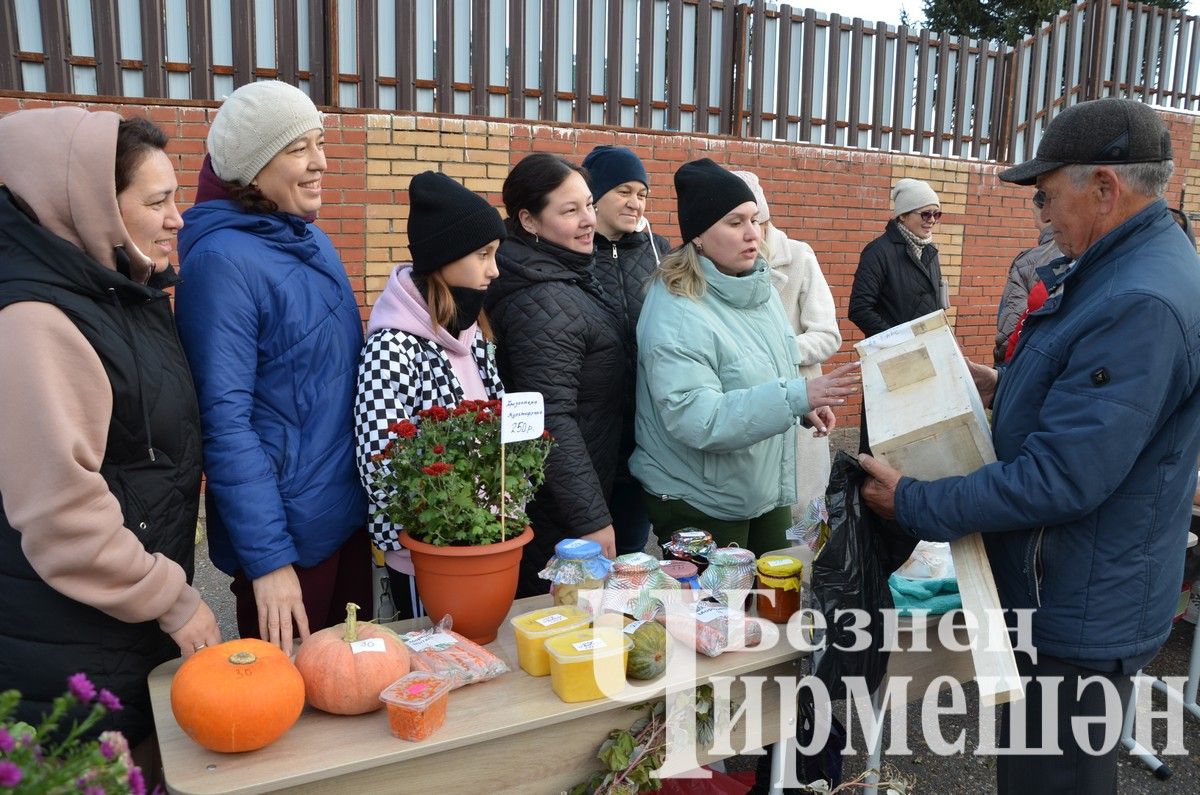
[{"x": 1096, "y": 425}]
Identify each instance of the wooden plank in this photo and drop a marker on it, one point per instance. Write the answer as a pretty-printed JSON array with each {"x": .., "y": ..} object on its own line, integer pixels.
[
  {"x": 807, "y": 70},
  {"x": 319, "y": 64},
  {"x": 487, "y": 726},
  {"x": 645, "y": 63},
  {"x": 1031, "y": 101},
  {"x": 703, "y": 65},
  {"x": 1070, "y": 36},
  {"x": 900, "y": 91},
  {"x": 516, "y": 59},
  {"x": 783, "y": 74},
  {"x": 1163, "y": 17},
  {"x": 444, "y": 31},
  {"x": 10, "y": 70},
  {"x": 1193, "y": 63},
  {"x": 107, "y": 35},
  {"x": 918, "y": 143},
  {"x": 959, "y": 115},
  {"x": 368, "y": 55},
  {"x": 1148, "y": 16},
  {"x": 199, "y": 23},
  {"x": 1000, "y": 134},
  {"x": 1178, "y": 89},
  {"x": 612, "y": 74},
  {"x": 931, "y": 427},
  {"x": 1050, "y": 84},
  {"x": 583, "y": 61},
  {"x": 406, "y": 57},
  {"x": 833, "y": 71},
  {"x": 855, "y": 77},
  {"x": 732, "y": 52},
  {"x": 878, "y": 100},
  {"x": 54, "y": 44},
  {"x": 982, "y": 59},
  {"x": 288, "y": 38},
  {"x": 480, "y": 53},
  {"x": 758, "y": 51},
  {"x": 243, "y": 42}
]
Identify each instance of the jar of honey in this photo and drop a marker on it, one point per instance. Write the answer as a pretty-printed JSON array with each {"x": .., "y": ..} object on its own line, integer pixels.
[{"x": 779, "y": 574}]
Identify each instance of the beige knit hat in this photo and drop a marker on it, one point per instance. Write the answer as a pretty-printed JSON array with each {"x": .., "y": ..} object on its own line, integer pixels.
[
  {"x": 912, "y": 194},
  {"x": 254, "y": 124},
  {"x": 751, "y": 179}
]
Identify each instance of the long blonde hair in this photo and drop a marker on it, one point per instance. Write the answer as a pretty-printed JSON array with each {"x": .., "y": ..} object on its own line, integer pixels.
[{"x": 681, "y": 272}]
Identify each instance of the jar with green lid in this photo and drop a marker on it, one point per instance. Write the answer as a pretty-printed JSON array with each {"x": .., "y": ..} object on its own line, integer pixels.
[
  {"x": 779, "y": 574},
  {"x": 578, "y": 565},
  {"x": 729, "y": 569}
]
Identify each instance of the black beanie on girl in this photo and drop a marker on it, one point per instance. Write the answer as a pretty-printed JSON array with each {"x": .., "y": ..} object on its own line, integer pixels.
[{"x": 446, "y": 222}]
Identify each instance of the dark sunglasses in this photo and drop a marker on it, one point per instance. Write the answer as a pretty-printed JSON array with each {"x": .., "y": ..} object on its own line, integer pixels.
[
  {"x": 930, "y": 215},
  {"x": 1039, "y": 199}
]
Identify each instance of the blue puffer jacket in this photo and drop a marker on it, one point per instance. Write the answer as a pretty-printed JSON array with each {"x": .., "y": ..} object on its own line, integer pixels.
[
  {"x": 272, "y": 333},
  {"x": 1097, "y": 430}
]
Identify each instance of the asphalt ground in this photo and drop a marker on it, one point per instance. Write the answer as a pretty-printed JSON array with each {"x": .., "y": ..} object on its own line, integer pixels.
[{"x": 939, "y": 775}]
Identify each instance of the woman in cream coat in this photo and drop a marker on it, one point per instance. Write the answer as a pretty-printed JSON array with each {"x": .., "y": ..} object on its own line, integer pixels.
[{"x": 810, "y": 309}]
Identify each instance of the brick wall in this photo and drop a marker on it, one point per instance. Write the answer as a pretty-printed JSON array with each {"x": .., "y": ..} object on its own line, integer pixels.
[{"x": 835, "y": 199}]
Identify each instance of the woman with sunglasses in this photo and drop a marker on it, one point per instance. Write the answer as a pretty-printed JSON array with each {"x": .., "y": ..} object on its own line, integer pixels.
[{"x": 899, "y": 277}]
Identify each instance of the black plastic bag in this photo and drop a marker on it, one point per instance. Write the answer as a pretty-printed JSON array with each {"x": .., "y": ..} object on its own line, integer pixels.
[{"x": 851, "y": 573}]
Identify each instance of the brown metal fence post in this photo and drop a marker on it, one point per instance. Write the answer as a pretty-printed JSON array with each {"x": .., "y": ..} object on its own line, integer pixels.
[
  {"x": 54, "y": 43},
  {"x": 10, "y": 69},
  {"x": 199, "y": 50}
]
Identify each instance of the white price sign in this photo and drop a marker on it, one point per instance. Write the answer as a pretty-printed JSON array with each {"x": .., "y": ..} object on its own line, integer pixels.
[{"x": 522, "y": 416}]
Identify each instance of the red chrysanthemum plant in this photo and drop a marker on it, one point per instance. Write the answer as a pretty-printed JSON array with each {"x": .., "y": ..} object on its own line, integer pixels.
[{"x": 442, "y": 473}]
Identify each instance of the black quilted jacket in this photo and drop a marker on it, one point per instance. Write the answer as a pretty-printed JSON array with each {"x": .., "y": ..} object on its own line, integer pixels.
[
  {"x": 556, "y": 334},
  {"x": 625, "y": 268}
]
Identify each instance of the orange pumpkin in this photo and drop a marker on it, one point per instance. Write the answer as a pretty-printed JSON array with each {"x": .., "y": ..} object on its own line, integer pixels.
[
  {"x": 237, "y": 696},
  {"x": 346, "y": 667}
]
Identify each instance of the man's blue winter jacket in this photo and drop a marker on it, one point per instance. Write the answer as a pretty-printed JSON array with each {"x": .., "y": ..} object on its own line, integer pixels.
[
  {"x": 273, "y": 334},
  {"x": 1097, "y": 430}
]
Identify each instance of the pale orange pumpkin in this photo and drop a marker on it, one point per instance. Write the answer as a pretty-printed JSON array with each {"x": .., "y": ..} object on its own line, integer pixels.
[
  {"x": 345, "y": 667},
  {"x": 240, "y": 695}
]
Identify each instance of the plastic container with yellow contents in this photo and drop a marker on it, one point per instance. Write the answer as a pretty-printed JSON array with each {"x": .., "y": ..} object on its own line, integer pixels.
[
  {"x": 586, "y": 664},
  {"x": 535, "y": 627}
]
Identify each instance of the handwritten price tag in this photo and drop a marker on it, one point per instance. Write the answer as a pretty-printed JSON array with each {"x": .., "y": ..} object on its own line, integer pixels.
[
  {"x": 368, "y": 644},
  {"x": 523, "y": 416}
]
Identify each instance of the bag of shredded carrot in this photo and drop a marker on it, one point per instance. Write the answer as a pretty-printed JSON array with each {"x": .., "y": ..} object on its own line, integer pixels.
[{"x": 442, "y": 650}]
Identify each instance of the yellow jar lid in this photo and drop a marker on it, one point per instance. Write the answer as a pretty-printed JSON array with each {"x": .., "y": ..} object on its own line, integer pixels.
[
  {"x": 551, "y": 620},
  {"x": 587, "y": 644},
  {"x": 780, "y": 566}
]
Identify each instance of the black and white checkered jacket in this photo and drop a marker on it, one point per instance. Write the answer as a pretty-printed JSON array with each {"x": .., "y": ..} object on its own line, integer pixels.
[{"x": 399, "y": 375}]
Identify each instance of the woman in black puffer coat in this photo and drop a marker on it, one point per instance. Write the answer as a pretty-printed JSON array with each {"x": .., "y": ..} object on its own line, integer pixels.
[{"x": 556, "y": 334}]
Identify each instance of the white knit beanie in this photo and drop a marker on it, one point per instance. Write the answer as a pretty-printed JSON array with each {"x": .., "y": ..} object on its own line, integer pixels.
[
  {"x": 912, "y": 194},
  {"x": 751, "y": 179},
  {"x": 254, "y": 124}
]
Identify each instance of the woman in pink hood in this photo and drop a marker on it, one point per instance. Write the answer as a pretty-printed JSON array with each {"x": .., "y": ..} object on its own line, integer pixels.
[
  {"x": 100, "y": 474},
  {"x": 428, "y": 340}
]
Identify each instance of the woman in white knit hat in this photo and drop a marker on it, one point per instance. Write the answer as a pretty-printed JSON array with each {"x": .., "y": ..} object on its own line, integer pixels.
[
  {"x": 273, "y": 334},
  {"x": 899, "y": 277},
  {"x": 808, "y": 302}
]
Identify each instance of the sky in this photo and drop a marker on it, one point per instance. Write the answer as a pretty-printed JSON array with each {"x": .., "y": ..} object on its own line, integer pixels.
[{"x": 889, "y": 10}]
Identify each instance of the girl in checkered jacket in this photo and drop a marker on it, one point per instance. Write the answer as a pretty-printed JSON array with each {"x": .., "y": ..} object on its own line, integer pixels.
[{"x": 428, "y": 341}]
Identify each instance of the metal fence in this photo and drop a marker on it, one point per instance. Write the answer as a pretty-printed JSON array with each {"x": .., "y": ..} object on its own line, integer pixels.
[{"x": 738, "y": 67}]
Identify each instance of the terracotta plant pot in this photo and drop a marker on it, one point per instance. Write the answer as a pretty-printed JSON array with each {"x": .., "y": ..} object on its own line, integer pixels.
[{"x": 474, "y": 585}]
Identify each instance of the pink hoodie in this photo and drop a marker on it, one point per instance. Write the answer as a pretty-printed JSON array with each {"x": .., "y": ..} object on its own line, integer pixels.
[
  {"x": 401, "y": 307},
  {"x": 55, "y": 399}
]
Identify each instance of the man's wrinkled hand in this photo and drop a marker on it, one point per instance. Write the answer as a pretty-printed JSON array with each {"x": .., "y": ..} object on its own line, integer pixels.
[{"x": 879, "y": 490}]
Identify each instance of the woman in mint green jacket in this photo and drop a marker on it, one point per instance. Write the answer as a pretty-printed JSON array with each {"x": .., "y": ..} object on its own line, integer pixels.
[{"x": 718, "y": 389}]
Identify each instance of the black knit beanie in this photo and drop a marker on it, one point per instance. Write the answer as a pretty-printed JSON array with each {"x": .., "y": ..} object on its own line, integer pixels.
[
  {"x": 706, "y": 192},
  {"x": 446, "y": 221}
]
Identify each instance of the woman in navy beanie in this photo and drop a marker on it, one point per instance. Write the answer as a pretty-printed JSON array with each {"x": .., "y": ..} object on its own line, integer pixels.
[
  {"x": 428, "y": 341},
  {"x": 627, "y": 255}
]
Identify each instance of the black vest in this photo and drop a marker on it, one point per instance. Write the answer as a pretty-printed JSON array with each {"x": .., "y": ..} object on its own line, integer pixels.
[{"x": 151, "y": 464}]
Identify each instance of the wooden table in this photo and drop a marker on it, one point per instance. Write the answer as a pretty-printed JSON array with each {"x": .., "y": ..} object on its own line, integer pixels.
[{"x": 510, "y": 734}]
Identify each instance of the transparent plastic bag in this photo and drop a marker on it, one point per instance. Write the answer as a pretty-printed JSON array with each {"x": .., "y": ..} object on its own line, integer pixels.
[
  {"x": 711, "y": 628},
  {"x": 442, "y": 650}
]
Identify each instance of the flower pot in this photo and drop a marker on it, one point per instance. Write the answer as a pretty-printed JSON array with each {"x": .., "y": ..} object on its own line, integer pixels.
[{"x": 474, "y": 585}]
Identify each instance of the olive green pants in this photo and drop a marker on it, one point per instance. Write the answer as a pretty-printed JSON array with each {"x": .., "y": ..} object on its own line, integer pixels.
[{"x": 761, "y": 534}]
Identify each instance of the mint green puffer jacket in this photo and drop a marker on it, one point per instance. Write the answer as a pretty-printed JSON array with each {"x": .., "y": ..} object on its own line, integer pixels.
[{"x": 718, "y": 396}]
